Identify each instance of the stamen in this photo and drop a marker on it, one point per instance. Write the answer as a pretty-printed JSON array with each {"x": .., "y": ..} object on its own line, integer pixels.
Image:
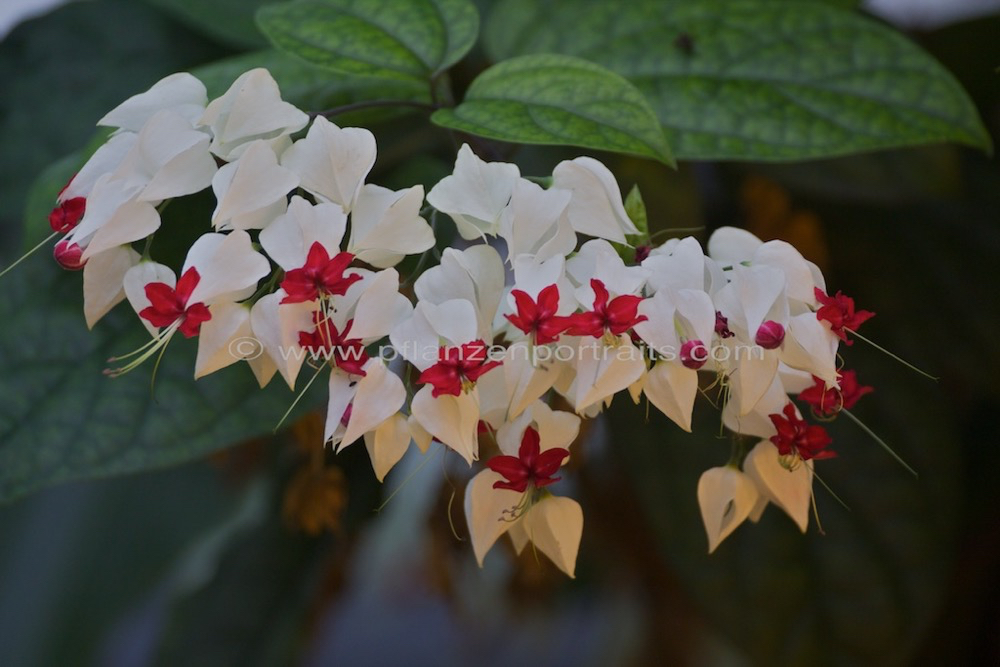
[
  {"x": 158, "y": 344},
  {"x": 29, "y": 253}
]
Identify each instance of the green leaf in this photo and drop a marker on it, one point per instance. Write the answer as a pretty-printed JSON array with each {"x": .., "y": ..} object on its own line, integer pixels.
[
  {"x": 305, "y": 85},
  {"x": 61, "y": 419},
  {"x": 413, "y": 40},
  {"x": 636, "y": 210},
  {"x": 560, "y": 100},
  {"x": 755, "y": 79},
  {"x": 230, "y": 21}
]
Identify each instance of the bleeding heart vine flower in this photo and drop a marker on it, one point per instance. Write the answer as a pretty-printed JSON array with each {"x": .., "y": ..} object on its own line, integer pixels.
[
  {"x": 219, "y": 268},
  {"x": 838, "y": 311},
  {"x": 608, "y": 318},
  {"x": 516, "y": 501},
  {"x": 827, "y": 401},
  {"x": 798, "y": 440}
]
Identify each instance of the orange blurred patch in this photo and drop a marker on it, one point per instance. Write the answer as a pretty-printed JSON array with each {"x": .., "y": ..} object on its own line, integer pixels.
[{"x": 770, "y": 215}]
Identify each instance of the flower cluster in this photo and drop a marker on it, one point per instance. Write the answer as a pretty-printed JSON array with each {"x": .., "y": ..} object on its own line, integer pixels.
[{"x": 537, "y": 309}]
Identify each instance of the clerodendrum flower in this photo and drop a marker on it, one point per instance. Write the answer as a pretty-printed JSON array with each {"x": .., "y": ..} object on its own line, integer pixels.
[
  {"x": 220, "y": 268},
  {"x": 509, "y": 496}
]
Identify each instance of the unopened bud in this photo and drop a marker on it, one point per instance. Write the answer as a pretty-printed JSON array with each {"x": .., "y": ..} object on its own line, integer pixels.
[
  {"x": 770, "y": 335},
  {"x": 69, "y": 255},
  {"x": 694, "y": 354}
]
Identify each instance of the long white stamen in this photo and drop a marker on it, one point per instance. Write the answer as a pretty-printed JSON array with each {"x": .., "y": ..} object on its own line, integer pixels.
[{"x": 29, "y": 253}]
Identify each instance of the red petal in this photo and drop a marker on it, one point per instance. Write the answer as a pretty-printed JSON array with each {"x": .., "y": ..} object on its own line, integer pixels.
[
  {"x": 510, "y": 467},
  {"x": 443, "y": 378},
  {"x": 163, "y": 299},
  {"x": 193, "y": 318},
  {"x": 549, "y": 461},
  {"x": 530, "y": 446},
  {"x": 600, "y": 294},
  {"x": 317, "y": 258},
  {"x": 585, "y": 324},
  {"x": 186, "y": 285},
  {"x": 548, "y": 301}
]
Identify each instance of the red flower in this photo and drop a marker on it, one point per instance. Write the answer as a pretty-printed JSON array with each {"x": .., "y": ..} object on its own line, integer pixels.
[
  {"x": 826, "y": 402},
  {"x": 796, "y": 437},
  {"x": 839, "y": 311},
  {"x": 170, "y": 304},
  {"x": 530, "y": 466},
  {"x": 67, "y": 215},
  {"x": 320, "y": 275},
  {"x": 539, "y": 318},
  {"x": 615, "y": 317},
  {"x": 457, "y": 368},
  {"x": 326, "y": 343}
]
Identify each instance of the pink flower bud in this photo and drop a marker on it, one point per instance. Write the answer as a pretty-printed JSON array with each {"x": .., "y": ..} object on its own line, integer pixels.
[
  {"x": 694, "y": 354},
  {"x": 770, "y": 335},
  {"x": 69, "y": 255}
]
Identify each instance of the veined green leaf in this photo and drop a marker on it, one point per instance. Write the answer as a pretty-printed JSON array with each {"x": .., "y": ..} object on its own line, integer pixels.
[
  {"x": 395, "y": 39},
  {"x": 556, "y": 99},
  {"x": 754, "y": 79},
  {"x": 62, "y": 419}
]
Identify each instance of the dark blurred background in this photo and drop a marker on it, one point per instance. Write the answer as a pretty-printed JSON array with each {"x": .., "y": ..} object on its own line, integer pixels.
[{"x": 273, "y": 553}]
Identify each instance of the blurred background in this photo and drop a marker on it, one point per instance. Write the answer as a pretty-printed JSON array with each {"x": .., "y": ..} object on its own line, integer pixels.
[{"x": 277, "y": 553}]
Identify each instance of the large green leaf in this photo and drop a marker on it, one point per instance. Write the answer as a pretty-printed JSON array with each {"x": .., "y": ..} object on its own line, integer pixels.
[
  {"x": 308, "y": 86},
  {"x": 231, "y": 21},
  {"x": 561, "y": 100},
  {"x": 754, "y": 79},
  {"x": 413, "y": 40},
  {"x": 62, "y": 419}
]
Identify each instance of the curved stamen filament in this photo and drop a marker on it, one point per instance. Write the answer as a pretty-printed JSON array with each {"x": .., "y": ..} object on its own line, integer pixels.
[{"x": 157, "y": 344}]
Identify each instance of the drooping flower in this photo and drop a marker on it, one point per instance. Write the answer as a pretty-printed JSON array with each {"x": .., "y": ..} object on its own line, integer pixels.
[
  {"x": 678, "y": 324},
  {"x": 169, "y": 305},
  {"x": 538, "y": 318},
  {"x": 531, "y": 467},
  {"x": 321, "y": 275},
  {"x": 839, "y": 311},
  {"x": 798, "y": 440},
  {"x": 458, "y": 368},
  {"x": 827, "y": 401},
  {"x": 553, "y": 524},
  {"x": 67, "y": 214},
  {"x": 335, "y": 347},
  {"x": 613, "y": 317}
]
